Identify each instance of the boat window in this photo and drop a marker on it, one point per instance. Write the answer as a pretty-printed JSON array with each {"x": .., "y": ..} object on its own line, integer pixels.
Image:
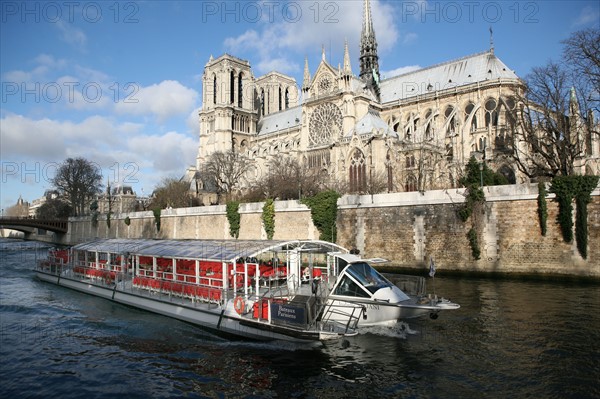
[
  {"x": 347, "y": 287},
  {"x": 367, "y": 276}
]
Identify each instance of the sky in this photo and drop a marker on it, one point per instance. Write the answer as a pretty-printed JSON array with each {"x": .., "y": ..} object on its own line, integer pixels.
[{"x": 119, "y": 83}]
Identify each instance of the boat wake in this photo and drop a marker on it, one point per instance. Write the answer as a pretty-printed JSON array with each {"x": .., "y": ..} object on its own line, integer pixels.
[{"x": 399, "y": 330}]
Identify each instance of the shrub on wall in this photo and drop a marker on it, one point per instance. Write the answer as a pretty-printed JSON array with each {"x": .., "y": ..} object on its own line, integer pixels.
[
  {"x": 542, "y": 207},
  {"x": 268, "y": 218},
  {"x": 474, "y": 242},
  {"x": 127, "y": 221},
  {"x": 323, "y": 209},
  {"x": 566, "y": 189},
  {"x": 562, "y": 186},
  {"x": 475, "y": 196},
  {"x": 94, "y": 210},
  {"x": 233, "y": 217},
  {"x": 156, "y": 212}
]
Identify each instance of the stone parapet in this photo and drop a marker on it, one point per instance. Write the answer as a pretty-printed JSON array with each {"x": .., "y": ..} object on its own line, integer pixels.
[{"x": 405, "y": 228}]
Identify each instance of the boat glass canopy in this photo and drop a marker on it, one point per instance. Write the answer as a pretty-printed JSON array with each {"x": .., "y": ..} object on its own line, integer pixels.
[
  {"x": 365, "y": 281},
  {"x": 215, "y": 250}
]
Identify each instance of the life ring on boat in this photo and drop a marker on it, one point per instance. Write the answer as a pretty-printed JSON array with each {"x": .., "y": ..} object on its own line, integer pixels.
[{"x": 239, "y": 305}]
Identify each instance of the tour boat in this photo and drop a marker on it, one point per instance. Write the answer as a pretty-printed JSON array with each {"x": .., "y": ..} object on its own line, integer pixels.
[{"x": 298, "y": 290}]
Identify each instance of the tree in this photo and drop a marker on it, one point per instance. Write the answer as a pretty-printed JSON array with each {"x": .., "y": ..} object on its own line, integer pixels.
[
  {"x": 478, "y": 173},
  {"x": 171, "y": 192},
  {"x": 286, "y": 179},
  {"x": 582, "y": 49},
  {"x": 224, "y": 172},
  {"x": 54, "y": 208},
  {"x": 79, "y": 181},
  {"x": 554, "y": 123}
]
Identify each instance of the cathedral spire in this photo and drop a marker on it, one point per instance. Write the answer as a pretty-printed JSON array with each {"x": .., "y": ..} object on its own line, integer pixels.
[
  {"x": 347, "y": 66},
  {"x": 369, "y": 61},
  {"x": 306, "y": 81}
]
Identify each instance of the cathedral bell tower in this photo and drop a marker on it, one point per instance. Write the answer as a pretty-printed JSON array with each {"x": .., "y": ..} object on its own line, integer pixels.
[{"x": 369, "y": 61}]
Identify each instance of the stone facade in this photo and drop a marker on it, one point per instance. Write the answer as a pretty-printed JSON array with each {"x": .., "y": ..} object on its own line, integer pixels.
[
  {"x": 405, "y": 228},
  {"x": 412, "y": 132}
]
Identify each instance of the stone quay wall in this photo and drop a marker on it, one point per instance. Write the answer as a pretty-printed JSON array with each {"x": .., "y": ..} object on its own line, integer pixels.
[{"x": 404, "y": 228}]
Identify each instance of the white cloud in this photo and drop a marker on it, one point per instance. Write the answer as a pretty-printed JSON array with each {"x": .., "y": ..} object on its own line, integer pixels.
[
  {"x": 409, "y": 38},
  {"x": 587, "y": 16},
  {"x": 168, "y": 154},
  {"x": 193, "y": 123},
  {"x": 47, "y": 84},
  {"x": 50, "y": 140},
  {"x": 122, "y": 150},
  {"x": 400, "y": 71},
  {"x": 322, "y": 23},
  {"x": 72, "y": 35},
  {"x": 164, "y": 100}
]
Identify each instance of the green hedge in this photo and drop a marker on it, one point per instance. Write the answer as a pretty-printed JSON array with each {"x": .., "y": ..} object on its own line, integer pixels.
[
  {"x": 323, "y": 209},
  {"x": 567, "y": 189},
  {"x": 542, "y": 207},
  {"x": 233, "y": 217},
  {"x": 268, "y": 218}
]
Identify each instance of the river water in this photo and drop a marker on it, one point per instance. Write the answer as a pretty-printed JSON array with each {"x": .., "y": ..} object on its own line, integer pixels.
[{"x": 509, "y": 339}]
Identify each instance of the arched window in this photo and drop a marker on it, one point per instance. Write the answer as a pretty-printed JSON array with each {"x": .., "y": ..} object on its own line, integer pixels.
[
  {"x": 450, "y": 120},
  {"x": 240, "y": 83},
  {"x": 411, "y": 184},
  {"x": 507, "y": 172},
  {"x": 468, "y": 111},
  {"x": 358, "y": 172},
  {"x": 287, "y": 98},
  {"x": 408, "y": 128},
  {"x": 390, "y": 172},
  {"x": 280, "y": 99},
  {"x": 482, "y": 144},
  {"x": 231, "y": 87},
  {"x": 449, "y": 151},
  {"x": 262, "y": 102},
  {"x": 214, "y": 89},
  {"x": 491, "y": 113},
  {"x": 429, "y": 127}
]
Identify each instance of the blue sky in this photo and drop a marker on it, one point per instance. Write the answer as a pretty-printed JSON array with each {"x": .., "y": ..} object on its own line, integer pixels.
[{"x": 119, "y": 83}]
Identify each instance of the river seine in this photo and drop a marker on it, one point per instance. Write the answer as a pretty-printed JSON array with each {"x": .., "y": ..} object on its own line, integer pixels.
[{"x": 509, "y": 339}]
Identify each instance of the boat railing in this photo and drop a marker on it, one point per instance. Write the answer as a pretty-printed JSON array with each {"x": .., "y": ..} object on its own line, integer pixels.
[
  {"x": 409, "y": 284},
  {"x": 52, "y": 264},
  {"x": 98, "y": 272},
  {"x": 203, "y": 291},
  {"x": 349, "y": 313}
]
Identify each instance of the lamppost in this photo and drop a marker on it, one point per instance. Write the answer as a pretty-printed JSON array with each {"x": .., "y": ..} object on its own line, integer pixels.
[
  {"x": 482, "y": 165},
  {"x": 481, "y": 174}
]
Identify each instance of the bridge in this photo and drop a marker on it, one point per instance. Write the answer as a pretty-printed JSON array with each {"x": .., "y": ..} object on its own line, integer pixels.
[{"x": 27, "y": 225}]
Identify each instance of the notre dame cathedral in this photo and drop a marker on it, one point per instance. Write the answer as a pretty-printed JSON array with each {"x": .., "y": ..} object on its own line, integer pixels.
[{"x": 415, "y": 131}]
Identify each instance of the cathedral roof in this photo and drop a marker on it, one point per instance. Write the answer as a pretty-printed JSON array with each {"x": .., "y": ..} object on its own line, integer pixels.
[
  {"x": 371, "y": 123},
  {"x": 280, "y": 121},
  {"x": 471, "y": 69}
]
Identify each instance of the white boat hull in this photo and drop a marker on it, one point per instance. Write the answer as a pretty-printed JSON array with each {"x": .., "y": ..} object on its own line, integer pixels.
[
  {"x": 386, "y": 314},
  {"x": 223, "y": 319}
]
